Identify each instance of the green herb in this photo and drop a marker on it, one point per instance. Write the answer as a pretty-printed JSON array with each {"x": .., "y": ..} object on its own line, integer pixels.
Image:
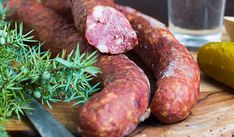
[
  {"x": 3, "y": 132},
  {"x": 27, "y": 72}
]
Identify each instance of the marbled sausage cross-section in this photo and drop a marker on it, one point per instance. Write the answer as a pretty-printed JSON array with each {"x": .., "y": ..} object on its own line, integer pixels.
[{"x": 103, "y": 26}]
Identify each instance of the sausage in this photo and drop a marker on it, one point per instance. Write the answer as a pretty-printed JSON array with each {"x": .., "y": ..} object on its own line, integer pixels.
[
  {"x": 49, "y": 28},
  {"x": 124, "y": 99},
  {"x": 119, "y": 40},
  {"x": 116, "y": 111},
  {"x": 169, "y": 61},
  {"x": 103, "y": 26},
  {"x": 177, "y": 73},
  {"x": 63, "y": 7}
]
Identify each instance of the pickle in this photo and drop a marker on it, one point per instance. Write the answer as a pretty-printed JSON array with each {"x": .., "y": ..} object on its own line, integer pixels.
[{"x": 216, "y": 59}]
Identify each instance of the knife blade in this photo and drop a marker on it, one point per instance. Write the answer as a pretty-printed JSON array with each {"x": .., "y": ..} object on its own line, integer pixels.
[{"x": 44, "y": 122}]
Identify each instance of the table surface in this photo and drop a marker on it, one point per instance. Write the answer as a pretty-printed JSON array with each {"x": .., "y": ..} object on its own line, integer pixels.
[{"x": 212, "y": 116}]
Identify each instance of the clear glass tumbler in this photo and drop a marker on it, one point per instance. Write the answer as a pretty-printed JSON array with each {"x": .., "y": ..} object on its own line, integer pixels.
[{"x": 196, "y": 22}]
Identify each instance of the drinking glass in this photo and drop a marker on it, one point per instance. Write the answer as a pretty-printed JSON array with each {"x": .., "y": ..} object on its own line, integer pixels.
[{"x": 196, "y": 22}]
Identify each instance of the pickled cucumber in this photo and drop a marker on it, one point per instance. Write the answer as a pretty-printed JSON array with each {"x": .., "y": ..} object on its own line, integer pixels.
[{"x": 216, "y": 60}]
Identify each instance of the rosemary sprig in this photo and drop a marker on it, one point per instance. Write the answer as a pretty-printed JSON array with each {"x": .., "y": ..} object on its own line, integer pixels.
[{"x": 26, "y": 72}]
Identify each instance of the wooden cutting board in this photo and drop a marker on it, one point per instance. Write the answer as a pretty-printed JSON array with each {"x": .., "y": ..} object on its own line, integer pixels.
[{"x": 212, "y": 116}]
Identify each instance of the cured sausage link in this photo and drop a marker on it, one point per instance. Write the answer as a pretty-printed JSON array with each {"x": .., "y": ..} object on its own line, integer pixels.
[
  {"x": 177, "y": 73},
  {"x": 121, "y": 105},
  {"x": 46, "y": 29},
  {"x": 124, "y": 99},
  {"x": 103, "y": 26},
  {"x": 62, "y": 7}
]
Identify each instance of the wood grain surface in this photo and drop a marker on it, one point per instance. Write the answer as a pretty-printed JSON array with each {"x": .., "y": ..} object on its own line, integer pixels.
[{"x": 213, "y": 116}]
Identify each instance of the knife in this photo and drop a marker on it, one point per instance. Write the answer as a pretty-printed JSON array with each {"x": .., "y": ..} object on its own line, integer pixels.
[{"x": 43, "y": 121}]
